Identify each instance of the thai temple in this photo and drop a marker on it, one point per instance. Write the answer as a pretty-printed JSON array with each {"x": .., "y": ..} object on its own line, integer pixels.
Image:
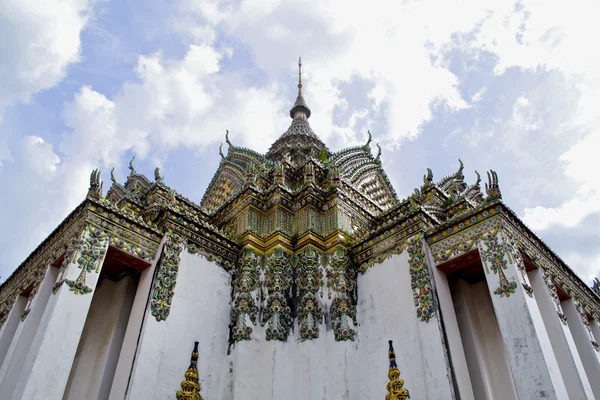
[{"x": 300, "y": 275}]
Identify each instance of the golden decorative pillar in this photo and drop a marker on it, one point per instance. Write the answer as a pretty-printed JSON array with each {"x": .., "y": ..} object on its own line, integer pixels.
[
  {"x": 191, "y": 386},
  {"x": 395, "y": 386}
]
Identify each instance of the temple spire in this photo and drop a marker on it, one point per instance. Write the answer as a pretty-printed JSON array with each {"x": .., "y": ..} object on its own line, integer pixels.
[
  {"x": 299, "y": 76},
  {"x": 300, "y": 109}
]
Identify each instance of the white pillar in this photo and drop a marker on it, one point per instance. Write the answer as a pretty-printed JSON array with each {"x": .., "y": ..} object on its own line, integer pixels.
[
  {"x": 98, "y": 351},
  {"x": 455, "y": 343},
  {"x": 533, "y": 364},
  {"x": 488, "y": 365},
  {"x": 581, "y": 336},
  {"x": 564, "y": 347},
  {"x": 11, "y": 324},
  {"x": 133, "y": 332},
  {"x": 595, "y": 329},
  {"x": 48, "y": 363},
  {"x": 25, "y": 334}
]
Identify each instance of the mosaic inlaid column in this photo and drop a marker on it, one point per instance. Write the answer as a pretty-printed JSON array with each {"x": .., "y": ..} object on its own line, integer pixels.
[
  {"x": 45, "y": 375},
  {"x": 309, "y": 281},
  {"x": 341, "y": 280},
  {"x": 277, "y": 316},
  {"x": 166, "y": 277},
  {"x": 246, "y": 284},
  {"x": 528, "y": 348}
]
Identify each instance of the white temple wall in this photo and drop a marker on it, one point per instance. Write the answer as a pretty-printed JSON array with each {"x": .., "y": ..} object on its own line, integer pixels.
[
  {"x": 325, "y": 369},
  {"x": 588, "y": 354},
  {"x": 100, "y": 344},
  {"x": 7, "y": 334},
  {"x": 486, "y": 356},
  {"x": 25, "y": 336},
  {"x": 453, "y": 334},
  {"x": 199, "y": 312},
  {"x": 569, "y": 362},
  {"x": 386, "y": 310},
  {"x": 317, "y": 369}
]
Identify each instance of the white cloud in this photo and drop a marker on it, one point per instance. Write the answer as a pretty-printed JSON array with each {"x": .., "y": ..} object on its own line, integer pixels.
[
  {"x": 40, "y": 39},
  {"x": 396, "y": 47},
  {"x": 580, "y": 163}
]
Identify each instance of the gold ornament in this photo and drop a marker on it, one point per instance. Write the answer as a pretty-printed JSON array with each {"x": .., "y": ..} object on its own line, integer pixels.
[
  {"x": 191, "y": 386},
  {"x": 395, "y": 386}
]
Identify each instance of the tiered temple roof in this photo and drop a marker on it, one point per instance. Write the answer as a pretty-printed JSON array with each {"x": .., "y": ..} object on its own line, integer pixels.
[{"x": 298, "y": 193}]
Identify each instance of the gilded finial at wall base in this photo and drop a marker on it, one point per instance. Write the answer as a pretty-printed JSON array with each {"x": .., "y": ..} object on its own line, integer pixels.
[
  {"x": 395, "y": 386},
  {"x": 191, "y": 385}
]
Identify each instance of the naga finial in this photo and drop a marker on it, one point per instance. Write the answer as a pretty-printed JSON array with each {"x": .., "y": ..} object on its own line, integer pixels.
[
  {"x": 460, "y": 169},
  {"x": 131, "y": 166},
  {"x": 227, "y": 138},
  {"x": 427, "y": 179},
  {"x": 221, "y": 151},
  {"x": 492, "y": 188},
  {"x": 395, "y": 386},
  {"x": 370, "y": 139},
  {"x": 112, "y": 175},
  {"x": 378, "y": 152},
  {"x": 157, "y": 176},
  {"x": 95, "y": 190},
  {"x": 478, "y": 178}
]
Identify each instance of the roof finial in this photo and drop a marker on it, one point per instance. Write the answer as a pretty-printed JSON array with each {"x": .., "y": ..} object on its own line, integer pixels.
[
  {"x": 299, "y": 76},
  {"x": 300, "y": 109},
  {"x": 131, "y": 168}
]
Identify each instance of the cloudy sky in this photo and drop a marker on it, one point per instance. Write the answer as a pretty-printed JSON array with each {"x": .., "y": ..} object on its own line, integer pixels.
[{"x": 503, "y": 85}]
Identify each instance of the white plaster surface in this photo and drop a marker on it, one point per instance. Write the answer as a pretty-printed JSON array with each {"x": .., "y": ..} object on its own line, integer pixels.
[
  {"x": 326, "y": 369},
  {"x": 132, "y": 333},
  {"x": 199, "y": 312},
  {"x": 570, "y": 365},
  {"x": 455, "y": 341},
  {"x": 533, "y": 364},
  {"x": 584, "y": 346},
  {"x": 100, "y": 344},
  {"x": 46, "y": 369},
  {"x": 318, "y": 369},
  {"x": 10, "y": 326},
  {"x": 25, "y": 337},
  {"x": 386, "y": 311},
  {"x": 487, "y": 361}
]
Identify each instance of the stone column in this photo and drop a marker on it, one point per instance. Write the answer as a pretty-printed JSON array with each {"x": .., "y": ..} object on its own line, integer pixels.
[
  {"x": 28, "y": 323},
  {"x": 11, "y": 325},
  {"x": 584, "y": 341},
  {"x": 563, "y": 344},
  {"x": 528, "y": 348},
  {"x": 49, "y": 360}
]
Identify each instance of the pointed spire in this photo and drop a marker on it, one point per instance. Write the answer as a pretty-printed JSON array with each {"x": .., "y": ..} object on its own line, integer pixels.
[
  {"x": 395, "y": 387},
  {"x": 300, "y": 108},
  {"x": 299, "y": 76},
  {"x": 191, "y": 387}
]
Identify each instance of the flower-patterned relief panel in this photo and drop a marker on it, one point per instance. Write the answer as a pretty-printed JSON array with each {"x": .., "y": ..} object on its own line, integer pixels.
[{"x": 166, "y": 277}]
